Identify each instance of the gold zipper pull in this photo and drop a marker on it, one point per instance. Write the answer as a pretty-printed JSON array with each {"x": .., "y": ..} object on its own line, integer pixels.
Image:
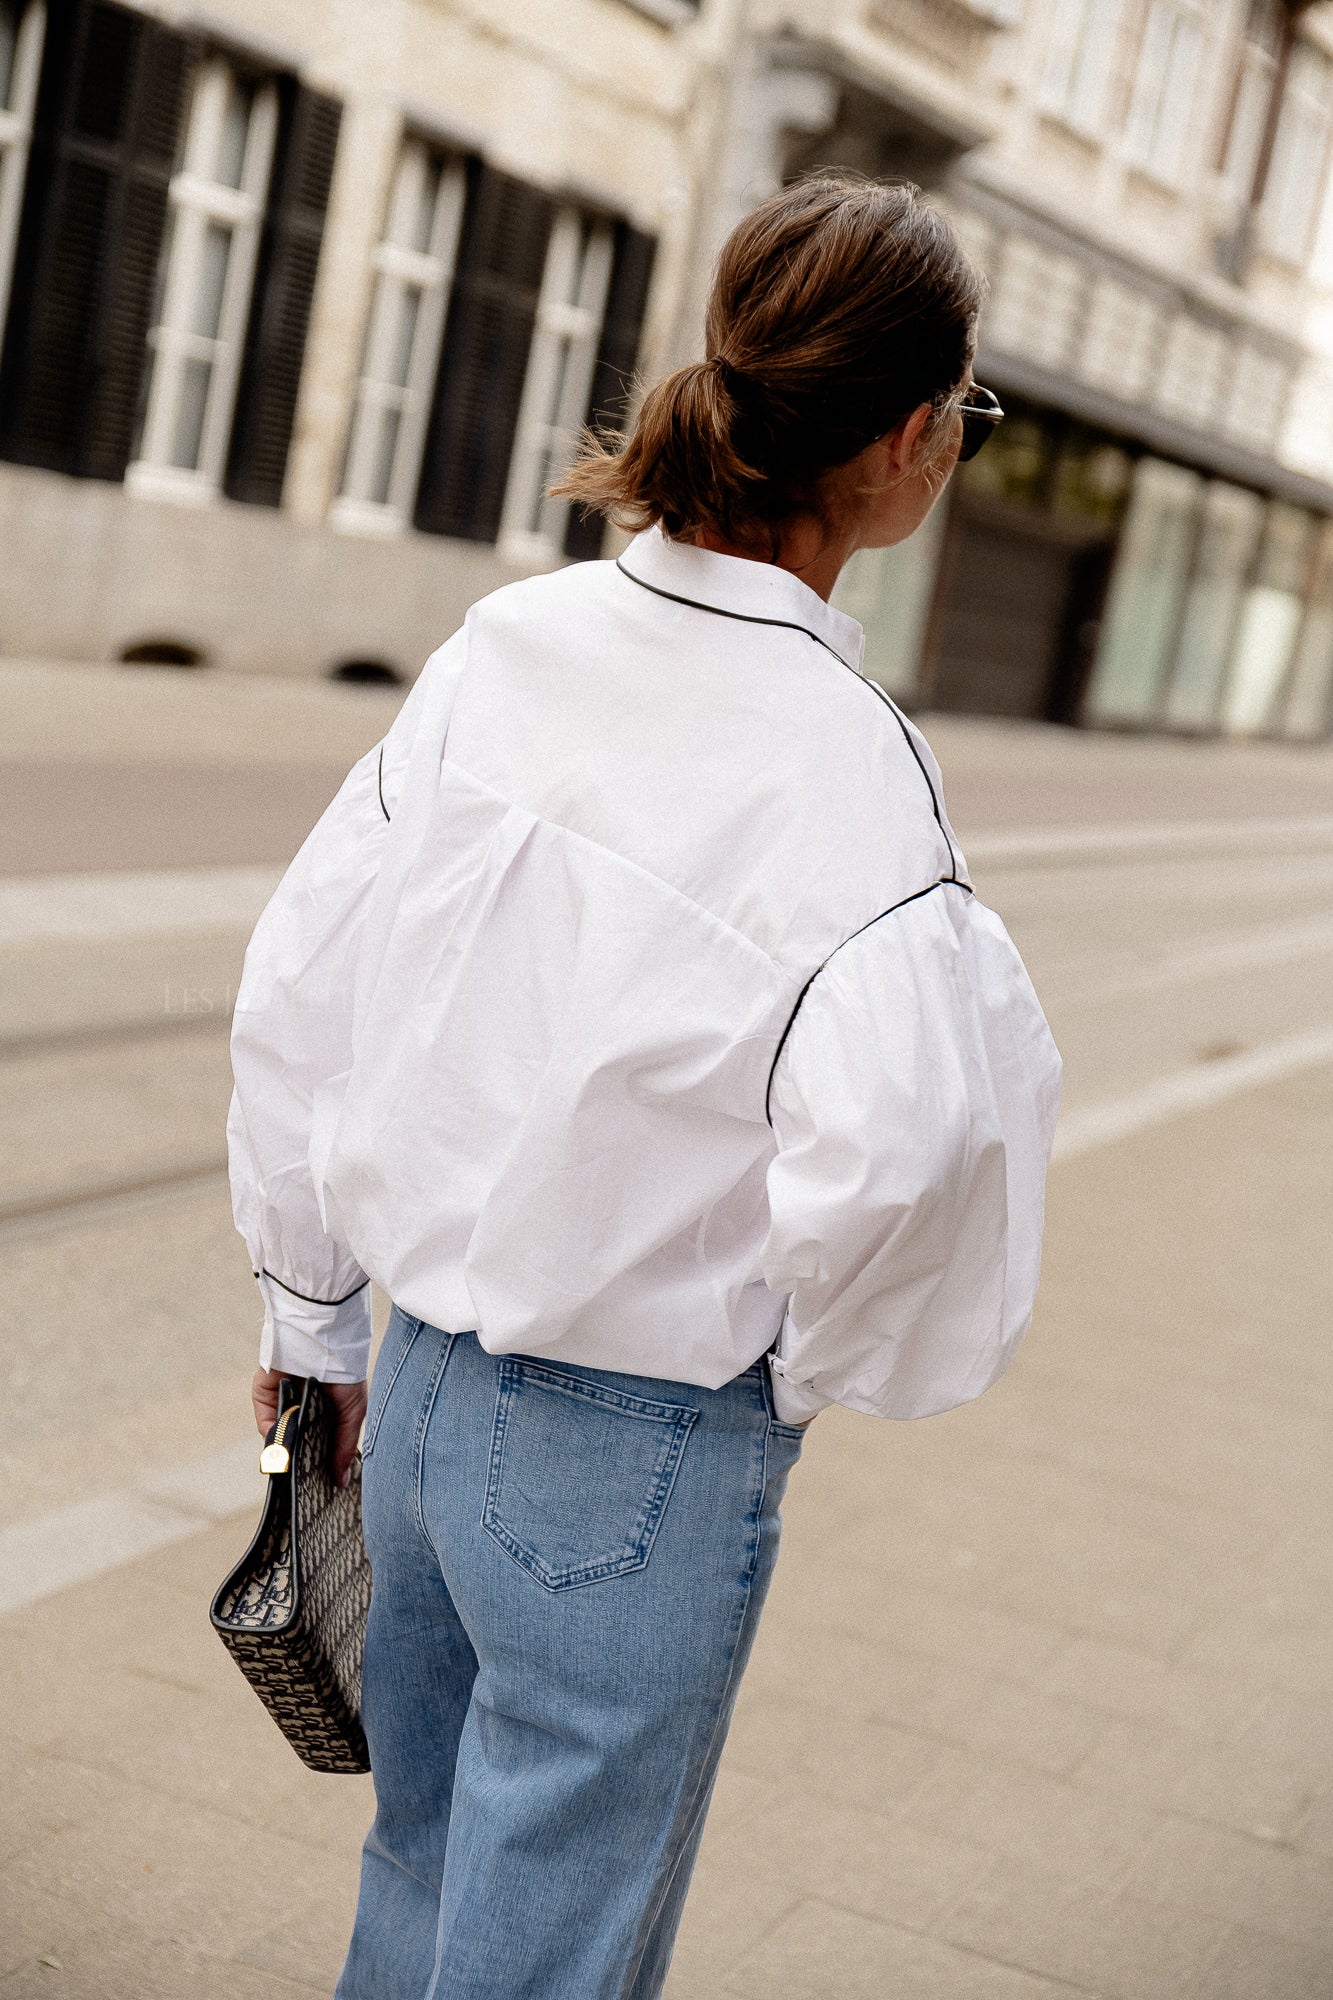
[{"x": 276, "y": 1455}]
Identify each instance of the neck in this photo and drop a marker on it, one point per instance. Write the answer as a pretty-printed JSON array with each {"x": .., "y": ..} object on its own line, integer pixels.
[{"x": 803, "y": 551}]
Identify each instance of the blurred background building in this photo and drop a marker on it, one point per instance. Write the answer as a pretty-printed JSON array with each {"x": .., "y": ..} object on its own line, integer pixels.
[{"x": 303, "y": 304}]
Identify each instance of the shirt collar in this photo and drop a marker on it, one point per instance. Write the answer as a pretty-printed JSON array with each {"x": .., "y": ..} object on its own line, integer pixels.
[{"x": 738, "y": 588}]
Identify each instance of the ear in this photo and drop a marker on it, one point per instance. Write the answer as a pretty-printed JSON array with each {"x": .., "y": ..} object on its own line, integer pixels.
[{"x": 904, "y": 443}]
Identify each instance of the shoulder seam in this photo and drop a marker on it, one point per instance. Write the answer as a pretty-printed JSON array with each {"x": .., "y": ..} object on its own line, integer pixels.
[
  {"x": 872, "y": 687},
  {"x": 944, "y": 882}
]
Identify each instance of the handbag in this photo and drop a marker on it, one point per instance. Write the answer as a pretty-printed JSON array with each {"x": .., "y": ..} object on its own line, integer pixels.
[{"x": 292, "y": 1613}]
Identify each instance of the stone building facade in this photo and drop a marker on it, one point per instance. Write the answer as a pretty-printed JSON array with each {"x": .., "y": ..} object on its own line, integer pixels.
[
  {"x": 300, "y": 296},
  {"x": 302, "y": 304},
  {"x": 1147, "y": 543}
]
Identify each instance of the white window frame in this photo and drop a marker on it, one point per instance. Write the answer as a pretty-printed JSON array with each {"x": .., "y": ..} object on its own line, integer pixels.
[
  {"x": 570, "y": 312},
  {"x": 1039, "y": 300},
  {"x": 1122, "y": 338},
  {"x": 16, "y": 136},
  {"x": 1160, "y": 130},
  {"x": 1193, "y": 371},
  {"x": 1081, "y": 38},
  {"x": 398, "y": 270},
  {"x": 1248, "y": 117},
  {"x": 1298, "y": 171},
  {"x": 196, "y": 201}
]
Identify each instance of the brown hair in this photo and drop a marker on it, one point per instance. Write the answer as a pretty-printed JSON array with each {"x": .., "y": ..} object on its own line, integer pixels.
[{"x": 839, "y": 306}]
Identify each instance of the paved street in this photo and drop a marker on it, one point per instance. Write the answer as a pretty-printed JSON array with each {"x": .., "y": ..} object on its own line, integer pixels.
[{"x": 1043, "y": 1702}]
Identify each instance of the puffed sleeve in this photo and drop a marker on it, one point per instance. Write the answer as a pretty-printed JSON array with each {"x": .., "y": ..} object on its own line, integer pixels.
[
  {"x": 913, "y": 1103},
  {"x": 292, "y": 1048}
]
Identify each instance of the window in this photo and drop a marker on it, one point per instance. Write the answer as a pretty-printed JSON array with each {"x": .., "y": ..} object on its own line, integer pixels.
[
  {"x": 1306, "y": 442},
  {"x": 1039, "y": 300},
  {"x": 1308, "y": 708},
  {"x": 1269, "y": 622},
  {"x": 165, "y": 258},
  {"x": 1229, "y": 532},
  {"x": 1257, "y": 398},
  {"x": 1161, "y": 111},
  {"x": 889, "y": 593},
  {"x": 307, "y": 145},
  {"x": 81, "y": 296},
  {"x": 1260, "y": 48},
  {"x": 556, "y": 386},
  {"x": 541, "y": 336},
  {"x": 1079, "y": 53},
  {"x": 1148, "y": 594},
  {"x": 1297, "y": 172},
  {"x": 1193, "y": 370},
  {"x": 1122, "y": 343},
  {"x": 413, "y": 269},
  {"x": 217, "y": 205},
  {"x": 20, "y": 62}
]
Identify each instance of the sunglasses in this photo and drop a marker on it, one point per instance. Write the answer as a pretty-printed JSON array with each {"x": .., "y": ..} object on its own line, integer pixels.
[{"x": 980, "y": 413}]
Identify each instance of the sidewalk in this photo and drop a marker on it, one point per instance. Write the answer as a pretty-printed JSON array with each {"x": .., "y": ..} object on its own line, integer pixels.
[{"x": 1041, "y": 1705}]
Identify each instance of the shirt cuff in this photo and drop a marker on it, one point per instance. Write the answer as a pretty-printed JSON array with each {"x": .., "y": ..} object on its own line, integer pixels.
[
  {"x": 303, "y": 1337},
  {"x": 793, "y": 1402}
]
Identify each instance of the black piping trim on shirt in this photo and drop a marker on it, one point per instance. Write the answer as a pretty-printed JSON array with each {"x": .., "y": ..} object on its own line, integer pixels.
[
  {"x": 901, "y": 720},
  {"x": 788, "y": 625},
  {"x": 945, "y": 882},
  {"x": 383, "y": 808},
  {"x": 742, "y": 617},
  {"x": 306, "y": 1296}
]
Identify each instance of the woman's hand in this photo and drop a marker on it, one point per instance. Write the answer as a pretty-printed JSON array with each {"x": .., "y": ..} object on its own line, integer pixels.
[{"x": 349, "y": 1403}]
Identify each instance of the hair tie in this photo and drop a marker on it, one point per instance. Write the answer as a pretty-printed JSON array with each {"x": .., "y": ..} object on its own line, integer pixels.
[{"x": 730, "y": 375}]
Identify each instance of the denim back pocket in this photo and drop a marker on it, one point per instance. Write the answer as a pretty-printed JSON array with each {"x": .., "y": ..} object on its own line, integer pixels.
[
  {"x": 580, "y": 1474},
  {"x": 399, "y": 1335}
]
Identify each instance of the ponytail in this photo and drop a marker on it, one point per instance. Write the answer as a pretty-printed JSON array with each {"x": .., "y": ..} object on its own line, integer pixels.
[{"x": 839, "y": 306}]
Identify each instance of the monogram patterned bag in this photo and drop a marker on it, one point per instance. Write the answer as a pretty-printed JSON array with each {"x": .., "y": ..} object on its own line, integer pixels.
[{"x": 292, "y": 1614}]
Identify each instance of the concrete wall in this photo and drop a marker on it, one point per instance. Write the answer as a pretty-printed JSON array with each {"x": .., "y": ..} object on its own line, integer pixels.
[{"x": 88, "y": 571}]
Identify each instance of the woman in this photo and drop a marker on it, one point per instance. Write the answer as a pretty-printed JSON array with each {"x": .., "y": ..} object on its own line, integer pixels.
[{"x": 629, "y": 1019}]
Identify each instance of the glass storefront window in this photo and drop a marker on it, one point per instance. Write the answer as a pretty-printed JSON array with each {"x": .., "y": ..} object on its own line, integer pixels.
[
  {"x": 1138, "y": 641},
  {"x": 1092, "y": 478},
  {"x": 1017, "y": 463},
  {"x": 1228, "y": 540},
  {"x": 1309, "y": 706},
  {"x": 889, "y": 592},
  {"x": 1270, "y": 620}
]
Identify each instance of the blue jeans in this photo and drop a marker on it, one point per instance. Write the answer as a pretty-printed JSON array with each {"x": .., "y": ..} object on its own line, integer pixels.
[{"x": 569, "y": 1568}]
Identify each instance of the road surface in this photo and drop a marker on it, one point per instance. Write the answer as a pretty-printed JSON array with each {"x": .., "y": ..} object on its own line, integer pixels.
[{"x": 1041, "y": 1705}]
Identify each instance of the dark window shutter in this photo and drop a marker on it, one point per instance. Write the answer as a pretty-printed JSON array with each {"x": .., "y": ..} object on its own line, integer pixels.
[
  {"x": 284, "y": 283},
  {"x": 104, "y": 147},
  {"x": 487, "y": 336},
  {"x": 613, "y": 377}
]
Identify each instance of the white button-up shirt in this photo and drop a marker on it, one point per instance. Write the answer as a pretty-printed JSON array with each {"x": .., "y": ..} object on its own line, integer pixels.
[{"x": 630, "y": 1006}]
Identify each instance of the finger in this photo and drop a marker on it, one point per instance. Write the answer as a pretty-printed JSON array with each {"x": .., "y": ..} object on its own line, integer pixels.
[
  {"x": 344, "y": 1449},
  {"x": 264, "y": 1399}
]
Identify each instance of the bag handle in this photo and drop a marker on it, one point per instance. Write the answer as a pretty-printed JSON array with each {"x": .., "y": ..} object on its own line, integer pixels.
[{"x": 280, "y": 1442}]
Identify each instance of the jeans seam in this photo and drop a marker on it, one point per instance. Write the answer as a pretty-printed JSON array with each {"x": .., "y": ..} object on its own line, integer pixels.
[
  {"x": 419, "y": 1443},
  {"x": 723, "y": 1709},
  {"x": 648, "y": 1409},
  {"x": 368, "y": 1442}
]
